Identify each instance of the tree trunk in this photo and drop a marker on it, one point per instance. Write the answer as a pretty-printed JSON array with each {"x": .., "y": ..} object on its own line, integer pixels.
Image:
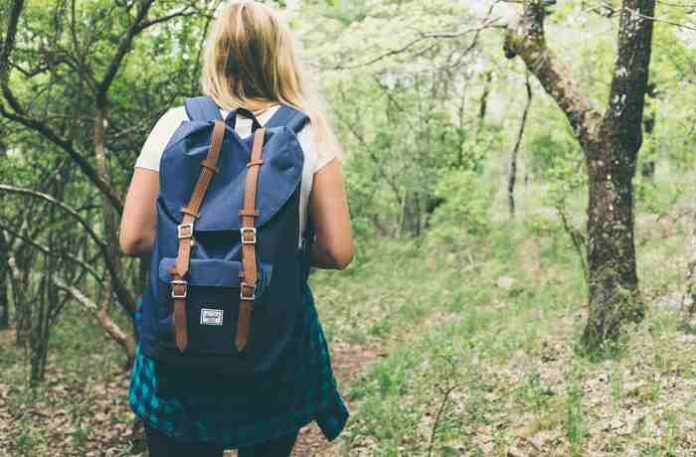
[
  {"x": 111, "y": 235},
  {"x": 689, "y": 297},
  {"x": 483, "y": 102},
  {"x": 20, "y": 295},
  {"x": 613, "y": 280},
  {"x": 512, "y": 168},
  {"x": 611, "y": 142},
  {"x": 4, "y": 282}
]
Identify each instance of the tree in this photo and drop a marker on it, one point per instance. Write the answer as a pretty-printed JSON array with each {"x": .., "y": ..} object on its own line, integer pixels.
[
  {"x": 69, "y": 91},
  {"x": 4, "y": 283},
  {"x": 610, "y": 141}
]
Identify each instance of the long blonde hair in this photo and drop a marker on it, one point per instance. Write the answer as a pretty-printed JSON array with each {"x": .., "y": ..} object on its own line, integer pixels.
[{"x": 251, "y": 62}]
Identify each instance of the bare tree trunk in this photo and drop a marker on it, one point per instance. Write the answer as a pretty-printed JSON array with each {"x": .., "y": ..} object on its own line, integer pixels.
[
  {"x": 483, "y": 102},
  {"x": 20, "y": 295},
  {"x": 4, "y": 282},
  {"x": 111, "y": 235},
  {"x": 4, "y": 267},
  {"x": 512, "y": 168},
  {"x": 38, "y": 340},
  {"x": 610, "y": 142},
  {"x": 689, "y": 298}
]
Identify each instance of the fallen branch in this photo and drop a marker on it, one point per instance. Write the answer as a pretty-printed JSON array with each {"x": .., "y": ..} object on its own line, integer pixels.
[
  {"x": 101, "y": 311},
  {"x": 446, "y": 393}
]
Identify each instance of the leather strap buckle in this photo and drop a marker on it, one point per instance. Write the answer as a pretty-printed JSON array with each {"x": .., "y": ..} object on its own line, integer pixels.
[
  {"x": 179, "y": 282},
  {"x": 244, "y": 288},
  {"x": 248, "y": 230},
  {"x": 184, "y": 231}
]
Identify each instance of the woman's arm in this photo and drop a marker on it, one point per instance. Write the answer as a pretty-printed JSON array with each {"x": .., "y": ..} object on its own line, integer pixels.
[
  {"x": 333, "y": 247},
  {"x": 139, "y": 220}
]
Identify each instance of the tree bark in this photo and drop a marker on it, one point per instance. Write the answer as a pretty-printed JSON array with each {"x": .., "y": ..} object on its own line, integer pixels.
[
  {"x": 613, "y": 279},
  {"x": 610, "y": 142},
  {"x": 614, "y": 293}
]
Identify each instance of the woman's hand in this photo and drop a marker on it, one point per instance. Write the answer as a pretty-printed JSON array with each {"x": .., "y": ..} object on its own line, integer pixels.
[
  {"x": 139, "y": 220},
  {"x": 333, "y": 247}
]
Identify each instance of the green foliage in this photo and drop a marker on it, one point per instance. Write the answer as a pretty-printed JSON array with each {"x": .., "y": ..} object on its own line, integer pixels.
[
  {"x": 447, "y": 294},
  {"x": 575, "y": 422},
  {"x": 464, "y": 213},
  {"x": 552, "y": 151}
]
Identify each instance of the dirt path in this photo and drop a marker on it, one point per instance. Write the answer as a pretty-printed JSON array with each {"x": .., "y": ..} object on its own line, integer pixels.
[
  {"x": 347, "y": 361},
  {"x": 107, "y": 399}
]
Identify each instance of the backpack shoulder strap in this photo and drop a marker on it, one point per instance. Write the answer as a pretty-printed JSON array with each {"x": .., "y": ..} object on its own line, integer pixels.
[
  {"x": 249, "y": 213},
  {"x": 202, "y": 109},
  {"x": 288, "y": 116},
  {"x": 179, "y": 283}
]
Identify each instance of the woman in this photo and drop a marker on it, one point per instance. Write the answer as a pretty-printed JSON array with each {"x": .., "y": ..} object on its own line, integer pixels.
[{"x": 249, "y": 63}]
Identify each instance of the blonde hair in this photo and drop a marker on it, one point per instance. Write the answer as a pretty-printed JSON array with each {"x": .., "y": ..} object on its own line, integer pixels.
[{"x": 250, "y": 62}]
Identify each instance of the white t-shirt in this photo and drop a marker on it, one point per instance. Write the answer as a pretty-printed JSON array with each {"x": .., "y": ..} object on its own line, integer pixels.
[{"x": 316, "y": 157}]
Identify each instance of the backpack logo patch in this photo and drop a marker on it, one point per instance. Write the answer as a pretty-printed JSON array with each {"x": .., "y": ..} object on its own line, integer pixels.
[{"x": 211, "y": 316}]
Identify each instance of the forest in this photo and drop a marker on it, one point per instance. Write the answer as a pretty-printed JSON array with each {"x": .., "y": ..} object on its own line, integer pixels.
[{"x": 520, "y": 177}]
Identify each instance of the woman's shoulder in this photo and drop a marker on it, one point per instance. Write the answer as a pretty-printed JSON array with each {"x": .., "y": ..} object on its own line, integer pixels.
[
  {"x": 159, "y": 136},
  {"x": 174, "y": 114},
  {"x": 168, "y": 123},
  {"x": 318, "y": 151}
]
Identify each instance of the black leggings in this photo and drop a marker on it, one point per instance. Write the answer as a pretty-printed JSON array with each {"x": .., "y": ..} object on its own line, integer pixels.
[{"x": 160, "y": 445}]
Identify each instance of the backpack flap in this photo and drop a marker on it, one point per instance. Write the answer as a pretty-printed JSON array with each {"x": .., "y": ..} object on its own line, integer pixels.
[
  {"x": 279, "y": 176},
  {"x": 202, "y": 108}
]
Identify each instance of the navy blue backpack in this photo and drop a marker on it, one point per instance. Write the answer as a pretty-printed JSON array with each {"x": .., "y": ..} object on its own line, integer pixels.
[{"x": 227, "y": 270}]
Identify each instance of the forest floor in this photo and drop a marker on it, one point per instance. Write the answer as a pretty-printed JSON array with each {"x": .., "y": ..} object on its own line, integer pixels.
[{"x": 442, "y": 347}]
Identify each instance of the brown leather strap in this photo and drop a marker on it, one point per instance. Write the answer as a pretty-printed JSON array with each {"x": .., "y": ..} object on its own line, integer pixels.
[
  {"x": 249, "y": 213},
  {"x": 185, "y": 233}
]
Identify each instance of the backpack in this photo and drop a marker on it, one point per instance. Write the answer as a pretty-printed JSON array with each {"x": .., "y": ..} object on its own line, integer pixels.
[{"x": 227, "y": 270}]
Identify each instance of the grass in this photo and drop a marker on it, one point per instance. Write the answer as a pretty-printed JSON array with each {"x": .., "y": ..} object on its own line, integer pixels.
[
  {"x": 479, "y": 351},
  {"x": 447, "y": 318}
]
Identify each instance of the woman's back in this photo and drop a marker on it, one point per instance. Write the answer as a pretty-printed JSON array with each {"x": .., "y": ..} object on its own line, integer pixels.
[
  {"x": 317, "y": 155},
  {"x": 249, "y": 62}
]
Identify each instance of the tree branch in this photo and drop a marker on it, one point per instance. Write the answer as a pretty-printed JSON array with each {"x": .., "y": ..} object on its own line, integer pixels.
[
  {"x": 123, "y": 48},
  {"x": 526, "y": 39},
  {"x": 67, "y": 209},
  {"x": 421, "y": 36},
  {"x": 47, "y": 251},
  {"x": 9, "y": 41},
  {"x": 185, "y": 12},
  {"x": 124, "y": 294},
  {"x": 44, "y": 130}
]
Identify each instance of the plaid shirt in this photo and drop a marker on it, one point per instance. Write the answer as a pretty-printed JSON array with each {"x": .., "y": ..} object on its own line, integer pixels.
[{"x": 299, "y": 389}]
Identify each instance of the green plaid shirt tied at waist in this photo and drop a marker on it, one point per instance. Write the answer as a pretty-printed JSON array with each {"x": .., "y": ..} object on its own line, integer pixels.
[{"x": 241, "y": 412}]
